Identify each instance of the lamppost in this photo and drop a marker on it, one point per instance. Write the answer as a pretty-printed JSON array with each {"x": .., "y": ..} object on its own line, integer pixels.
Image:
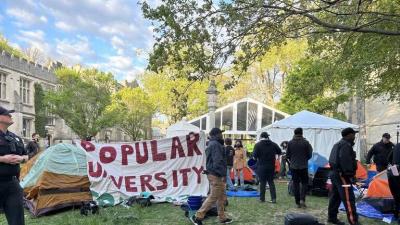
[
  {"x": 397, "y": 133},
  {"x": 212, "y": 94}
]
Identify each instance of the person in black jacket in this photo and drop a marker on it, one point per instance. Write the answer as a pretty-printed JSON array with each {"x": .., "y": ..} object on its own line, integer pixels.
[
  {"x": 265, "y": 152},
  {"x": 216, "y": 175},
  {"x": 12, "y": 154},
  {"x": 394, "y": 179},
  {"x": 299, "y": 151},
  {"x": 380, "y": 153},
  {"x": 343, "y": 170},
  {"x": 32, "y": 148},
  {"x": 230, "y": 153}
]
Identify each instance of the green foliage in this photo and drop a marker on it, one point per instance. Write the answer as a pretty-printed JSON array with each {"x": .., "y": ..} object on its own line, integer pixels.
[
  {"x": 206, "y": 35},
  {"x": 40, "y": 110},
  {"x": 5, "y": 46},
  {"x": 313, "y": 85},
  {"x": 133, "y": 111},
  {"x": 176, "y": 97},
  {"x": 82, "y": 99}
]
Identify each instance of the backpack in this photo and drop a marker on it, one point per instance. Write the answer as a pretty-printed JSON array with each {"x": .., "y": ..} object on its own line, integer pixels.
[{"x": 300, "y": 219}]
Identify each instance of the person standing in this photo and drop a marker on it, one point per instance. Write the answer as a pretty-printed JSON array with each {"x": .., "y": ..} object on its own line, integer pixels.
[
  {"x": 265, "y": 152},
  {"x": 12, "y": 153},
  {"x": 298, "y": 153},
  {"x": 32, "y": 148},
  {"x": 282, "y": 172},
  {"x": 216, "y": 175},
  {"x": 239, "y": 163},
  {"x": 230, "y": 153},
  {"x": 380, "y": 153},
  {"x": 343, "y": 170},
  {"x": 394, "y": 179}
]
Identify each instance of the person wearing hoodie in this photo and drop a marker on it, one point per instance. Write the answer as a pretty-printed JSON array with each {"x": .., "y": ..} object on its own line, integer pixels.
[
  {"x": 216, "y": 175},
  {"x": 380, "y": 153},
  {"x": 265, "y": 152},
  {"x": 298, "y": 152}
]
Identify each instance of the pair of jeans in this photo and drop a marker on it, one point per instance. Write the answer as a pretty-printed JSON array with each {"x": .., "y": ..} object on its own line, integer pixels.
[
  {"x": 300, "y": 183},
  {"x": 217, "y": 195},
  {"x": 239, "y": 175},
  {"x": 266, "y": 175},
  {"x": 228, "y": 178}
]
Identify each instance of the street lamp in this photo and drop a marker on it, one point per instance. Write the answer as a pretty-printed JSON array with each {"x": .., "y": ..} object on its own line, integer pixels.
[
  {"x": 397, "y": 133},
  {"x": 212, "y": 95}
]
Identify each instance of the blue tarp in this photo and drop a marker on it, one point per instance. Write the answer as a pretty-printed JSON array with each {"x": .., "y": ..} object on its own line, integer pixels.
[
  {"x": 315, "y": 162},
  {"x": 247, "y": 194},
  {"x": 366, "y": 210}
]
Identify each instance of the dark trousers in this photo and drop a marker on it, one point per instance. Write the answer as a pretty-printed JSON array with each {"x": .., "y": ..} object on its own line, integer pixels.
[
  {"x": 300, "y": 183},
  {"x": 381, "y": 167},
  {"x": 394, "y": 185},
  {"x": 266, "y": 175},
  {"x": 342, "y": 191},
  {"x": 11, "y": 198}
]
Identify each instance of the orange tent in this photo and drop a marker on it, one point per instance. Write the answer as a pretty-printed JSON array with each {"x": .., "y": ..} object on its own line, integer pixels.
[
  {"x": 247, "y": 175},
  {"x": 379, "y": 195},
  {"x": 361, "y": 173}
]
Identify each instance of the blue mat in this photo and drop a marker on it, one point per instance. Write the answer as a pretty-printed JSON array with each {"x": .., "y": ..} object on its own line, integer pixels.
[
  {"x": 366, "y": 210},
  {"x": 246, "y": 194}
]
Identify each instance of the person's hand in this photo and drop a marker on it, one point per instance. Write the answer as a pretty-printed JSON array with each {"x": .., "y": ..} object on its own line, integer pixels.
[
  {"x": 11, "y": 159},
  {"x": 224, "y": 179}
]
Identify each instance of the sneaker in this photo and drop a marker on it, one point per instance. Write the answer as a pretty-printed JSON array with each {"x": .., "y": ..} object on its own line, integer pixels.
[
  {"x": 195, "y": 221},
  {"x": 298, "y": 206},
  {"x": 226, "y": 221},
  {"x": 336, "y": 221},
  {"x": 272, "y": 201},
  {"x": 261, "y": 201},
  {"x": 303, "y": 204}
]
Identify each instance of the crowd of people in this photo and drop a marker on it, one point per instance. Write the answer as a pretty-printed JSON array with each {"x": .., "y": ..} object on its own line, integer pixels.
[{"x": 222, "y": 157}]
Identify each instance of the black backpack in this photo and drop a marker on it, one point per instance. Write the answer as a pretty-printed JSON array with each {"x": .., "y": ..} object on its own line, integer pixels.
[{"x": 300, "y": 219}]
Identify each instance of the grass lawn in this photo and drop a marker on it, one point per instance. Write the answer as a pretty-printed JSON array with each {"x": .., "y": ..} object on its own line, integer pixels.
[{"x": 242, "y": 210}]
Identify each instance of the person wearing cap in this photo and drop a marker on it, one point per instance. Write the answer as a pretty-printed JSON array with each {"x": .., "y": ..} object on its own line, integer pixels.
[
  {"x": 32, "y": 148},
  {"x": 216, "y": 175},
  {"x": 394, "y": 179},
  {"x": 380, "y": 153},
  {"x": 265, "y": 152},
  {"x": 12, "y": 153},
  {"x": 298, "y": 152},
  {"x": 343, "y": 165}
]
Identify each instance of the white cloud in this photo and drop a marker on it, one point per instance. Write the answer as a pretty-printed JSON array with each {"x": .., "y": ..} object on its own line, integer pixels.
[
  {"x": 34, "y": 38},
  {"x": 120, "y": 62},
  {"x": 73, "y": 51},
  {"x": 24, "y": 17},
  {"x": 63, "y": 26},
  {"x": 118, "y": 44}
]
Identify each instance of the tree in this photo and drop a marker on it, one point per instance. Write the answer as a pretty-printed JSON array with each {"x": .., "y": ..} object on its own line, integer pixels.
[
  {"x": 133, "y": 110},
  {"x": 314, "y": 86},
  {"x": 205, "y": 36},
  {"x": 5, "y": 46},
  {"x": 176, "y": 97},
  {"x": 82, "y": 99},
  {"x": 40, "y": 110}
]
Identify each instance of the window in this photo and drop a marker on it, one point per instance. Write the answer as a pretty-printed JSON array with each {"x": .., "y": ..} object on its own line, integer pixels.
[
  {"x": 279, "y": 117},
  {"x": 242, "y": 116},
  {"x": 3, "y": 86},
  {"x": 26, "y": 127},
  {"x": 196, "y": 123},
  {"x": 25, "y": 90},
  {"x": 252, "y": 117},
  {"x": 227, "y": 118},
  {"x": 204, "y": 123},
  {"x": 266, "y": 117},
  {"x": 49, "y": 116}
]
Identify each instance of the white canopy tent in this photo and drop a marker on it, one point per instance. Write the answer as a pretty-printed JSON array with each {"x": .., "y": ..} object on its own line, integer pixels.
[
  {"x": 322, "y": 132},
  {"x": 181, "y": 128}
]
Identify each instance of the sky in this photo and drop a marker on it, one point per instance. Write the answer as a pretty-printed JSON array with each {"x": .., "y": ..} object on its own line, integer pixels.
[{"x": 111, "y": 35}]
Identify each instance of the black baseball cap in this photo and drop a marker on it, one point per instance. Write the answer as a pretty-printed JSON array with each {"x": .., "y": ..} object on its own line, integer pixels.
[
  {"x": 386, "y": 135},
  {"x": 214, "y": 131},
  {"x": 347, "y": 131},
  {"x": 5, "y": 112},
  {"x": 264, "y": 135}
]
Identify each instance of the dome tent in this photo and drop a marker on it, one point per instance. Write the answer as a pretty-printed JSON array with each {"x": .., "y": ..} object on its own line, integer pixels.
[
  {"x": 57, "y": 178},
  {"x": 322, "y": 132},
  {"x": 181, "y": 128}
]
